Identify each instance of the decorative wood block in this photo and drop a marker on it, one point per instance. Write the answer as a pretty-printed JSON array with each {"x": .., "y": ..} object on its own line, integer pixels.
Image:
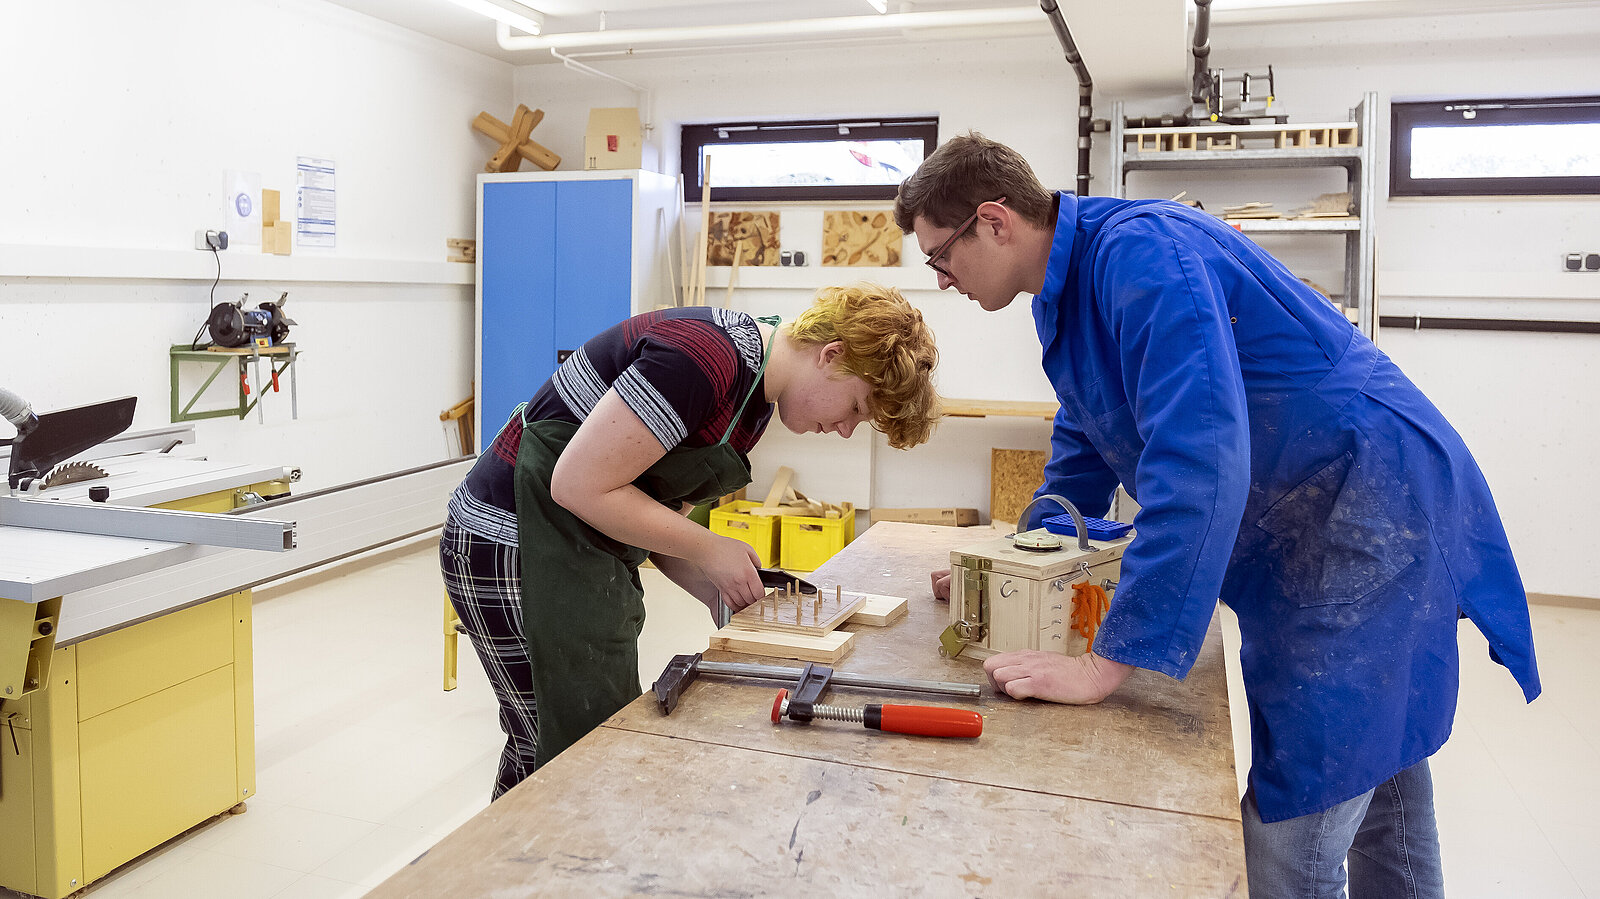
[
  {"x": 1014, "y": 476},
  {"x": 851, "y": 237},
  {"x": 513, "y": 140},
  {"x": 754, "y": 234},
  {"x": 827, "y": 649},
  {"x": 813, "y": 614}
]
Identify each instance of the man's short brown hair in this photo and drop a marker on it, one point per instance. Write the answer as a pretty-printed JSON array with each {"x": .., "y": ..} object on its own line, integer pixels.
[{"x": 967, "y": 171}]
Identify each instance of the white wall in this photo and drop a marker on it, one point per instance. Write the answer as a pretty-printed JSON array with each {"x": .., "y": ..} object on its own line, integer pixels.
[
  {"x": 1523, "y": 402},
  {"x": 120, "y": 122}
]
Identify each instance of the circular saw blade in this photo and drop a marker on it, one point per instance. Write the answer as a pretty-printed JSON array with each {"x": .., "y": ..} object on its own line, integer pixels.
[{"x": 72, "y": 473}]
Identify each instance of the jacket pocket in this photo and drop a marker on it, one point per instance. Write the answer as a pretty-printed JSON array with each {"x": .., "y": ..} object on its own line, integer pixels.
[{"x": 1342, "y": 533}]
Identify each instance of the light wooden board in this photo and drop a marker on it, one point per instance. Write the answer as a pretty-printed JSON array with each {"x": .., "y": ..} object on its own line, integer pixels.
[
  {"x": 879, "y": 611},
  {"x": 798, "y": 613},
  {"x": 827, "y": 649}
]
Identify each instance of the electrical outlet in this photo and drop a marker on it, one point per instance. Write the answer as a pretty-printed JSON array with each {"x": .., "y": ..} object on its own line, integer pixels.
[
  {"x": 1581, "y": 262},
  {"x": 210, "y": 240}
]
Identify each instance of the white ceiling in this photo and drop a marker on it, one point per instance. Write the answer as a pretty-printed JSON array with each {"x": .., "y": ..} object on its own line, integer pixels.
[
  {"x": 1097, "y": 27},
  {"x": 1129, "y": 46}
]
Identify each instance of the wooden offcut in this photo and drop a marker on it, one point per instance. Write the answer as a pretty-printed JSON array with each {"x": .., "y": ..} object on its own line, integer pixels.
[
  {"x": 851, "y": 237},
  {"x": 879, "y": 610},
  {"x": 955, "y": 518},
  {"x": 1014, "y": 477},
  {"x": 827, "y": 649}
]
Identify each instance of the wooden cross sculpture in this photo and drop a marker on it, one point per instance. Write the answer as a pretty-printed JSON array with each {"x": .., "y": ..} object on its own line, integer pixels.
[{"x": 514, "y": 143}]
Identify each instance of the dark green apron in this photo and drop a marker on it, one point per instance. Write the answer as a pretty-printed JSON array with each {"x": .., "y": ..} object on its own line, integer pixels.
[{"x": 582, "y": 603}]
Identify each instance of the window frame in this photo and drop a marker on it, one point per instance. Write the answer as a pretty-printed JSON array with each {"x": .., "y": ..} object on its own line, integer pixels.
[
  {"x": 1405, "y": 115},
  {"x": 694, "y": 137}
]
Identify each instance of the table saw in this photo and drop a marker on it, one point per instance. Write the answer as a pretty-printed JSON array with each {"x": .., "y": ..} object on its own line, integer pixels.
[{"x": 126, "y": 716}]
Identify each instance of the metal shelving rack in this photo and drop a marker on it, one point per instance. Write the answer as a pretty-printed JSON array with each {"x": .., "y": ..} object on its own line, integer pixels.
[{"x": 1358, "y": 161}]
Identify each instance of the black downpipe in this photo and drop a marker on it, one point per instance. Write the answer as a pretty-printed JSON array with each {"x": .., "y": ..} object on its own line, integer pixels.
[
  {"x": 1421, "y": 322},
  {"x": 1085, "y": 91},
  {"x": 1202, "y": 86}
]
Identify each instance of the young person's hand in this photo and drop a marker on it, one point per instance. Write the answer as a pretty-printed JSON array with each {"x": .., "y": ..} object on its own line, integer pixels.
[
  {"x": 731, "y": 566},
  {"x": 941, "y": 584},
  {"x": 1051, "y": 676}
]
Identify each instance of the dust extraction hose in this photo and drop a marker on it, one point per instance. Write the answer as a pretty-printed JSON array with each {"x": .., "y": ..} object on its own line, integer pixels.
[{"x": 16, "y": 410}]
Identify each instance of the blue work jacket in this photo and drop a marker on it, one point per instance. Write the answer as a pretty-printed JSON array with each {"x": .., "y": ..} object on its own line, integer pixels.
[{"x": 1283, "y": 464}]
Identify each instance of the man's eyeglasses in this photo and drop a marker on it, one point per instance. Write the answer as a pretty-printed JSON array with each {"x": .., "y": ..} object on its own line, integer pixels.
[{"x": 934, "y": 257}]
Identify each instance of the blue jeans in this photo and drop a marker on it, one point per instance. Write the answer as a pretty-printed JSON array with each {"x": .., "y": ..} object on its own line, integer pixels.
[{"x": 1388, "y": 835}]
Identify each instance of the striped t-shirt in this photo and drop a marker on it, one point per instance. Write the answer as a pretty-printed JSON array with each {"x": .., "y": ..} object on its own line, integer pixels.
[{"x": 683, "y": 371}]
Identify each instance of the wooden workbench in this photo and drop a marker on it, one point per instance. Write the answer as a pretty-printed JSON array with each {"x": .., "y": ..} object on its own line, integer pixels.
[{"x": 1135, "y": 796}]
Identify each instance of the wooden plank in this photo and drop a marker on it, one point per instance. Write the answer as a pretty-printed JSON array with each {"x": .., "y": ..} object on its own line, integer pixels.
[
  {"x": 827, "y": 649},
  {"x": 780, "y": 483},
  {"x": 960, "y": 408},
  {"x": 798, "y": 613},
  {"x": 634, "y": 814},
  {"x": 952, "y": 517}
]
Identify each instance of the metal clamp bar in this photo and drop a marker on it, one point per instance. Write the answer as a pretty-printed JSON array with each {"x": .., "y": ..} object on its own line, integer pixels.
[{"x": 780, "y": 672}]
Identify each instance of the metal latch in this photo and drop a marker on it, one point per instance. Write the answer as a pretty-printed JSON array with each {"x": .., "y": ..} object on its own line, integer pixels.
[{"x": 973, "y": 626}]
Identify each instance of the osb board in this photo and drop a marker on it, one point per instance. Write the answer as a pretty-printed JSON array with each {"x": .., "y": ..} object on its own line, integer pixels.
[
  {"x": 853, "y": 237},
  {"x": 630, "y": 814},
  {"x": 1156, "y": 743},
  {"x": 1014, "y": 476},
  {"x": 756, "y": 232},
  {"x": 827, "y": 649},
  {"x": 798, "y": 613}
]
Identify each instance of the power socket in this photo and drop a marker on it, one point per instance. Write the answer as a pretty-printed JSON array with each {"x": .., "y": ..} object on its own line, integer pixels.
[
  {"x": 210, "y": 240},
  {"x": 1581, "y": 262}
]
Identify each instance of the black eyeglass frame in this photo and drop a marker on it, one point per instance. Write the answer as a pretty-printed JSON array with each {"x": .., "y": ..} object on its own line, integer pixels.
[{"x": 932, "y": 260}]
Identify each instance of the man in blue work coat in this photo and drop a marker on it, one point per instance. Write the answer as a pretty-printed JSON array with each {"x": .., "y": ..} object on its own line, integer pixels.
[{"x": 1281, "y": 463}]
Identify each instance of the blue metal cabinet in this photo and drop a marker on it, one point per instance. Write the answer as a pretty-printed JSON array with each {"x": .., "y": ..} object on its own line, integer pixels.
[{"x": 561, "y": 257}]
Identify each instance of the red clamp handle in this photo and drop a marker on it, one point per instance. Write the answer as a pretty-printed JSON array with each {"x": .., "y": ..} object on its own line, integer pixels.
[{"x": 926, "y": 720}]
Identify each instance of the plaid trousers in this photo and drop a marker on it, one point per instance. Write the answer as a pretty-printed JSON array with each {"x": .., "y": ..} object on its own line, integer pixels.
[{"x": 484, "y": 582}]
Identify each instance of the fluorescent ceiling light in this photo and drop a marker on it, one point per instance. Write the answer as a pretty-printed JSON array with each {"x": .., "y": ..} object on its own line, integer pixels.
[{"x": 517, "y": 15}]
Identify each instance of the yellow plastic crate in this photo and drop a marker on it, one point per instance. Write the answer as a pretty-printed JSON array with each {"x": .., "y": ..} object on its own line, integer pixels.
[
  {"x": 807, "y": 542},
  {"x": 761, "y": 532}
]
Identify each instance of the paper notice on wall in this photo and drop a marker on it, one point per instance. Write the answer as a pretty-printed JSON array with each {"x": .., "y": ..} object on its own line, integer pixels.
[
  {"x": 242, "y": 218},
  {"x": 316, "y": 205}
]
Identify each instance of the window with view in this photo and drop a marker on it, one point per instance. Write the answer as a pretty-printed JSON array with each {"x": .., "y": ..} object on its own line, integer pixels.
[
  {"x": 1495, "y": 147},
  {"x": 834, "y": 159}
]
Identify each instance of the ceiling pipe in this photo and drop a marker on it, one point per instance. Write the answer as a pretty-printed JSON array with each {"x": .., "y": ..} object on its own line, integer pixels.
[
  {"x": 791, "y": 30},
  {"x": 1069, "y": 47}
]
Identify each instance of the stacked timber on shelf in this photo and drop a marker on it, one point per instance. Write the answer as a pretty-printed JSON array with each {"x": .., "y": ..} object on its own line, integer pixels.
[{"x": 1243, "y": 137}]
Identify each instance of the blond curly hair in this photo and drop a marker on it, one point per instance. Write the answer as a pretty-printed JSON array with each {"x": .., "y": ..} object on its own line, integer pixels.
[{"x": 888, "y": 345}]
